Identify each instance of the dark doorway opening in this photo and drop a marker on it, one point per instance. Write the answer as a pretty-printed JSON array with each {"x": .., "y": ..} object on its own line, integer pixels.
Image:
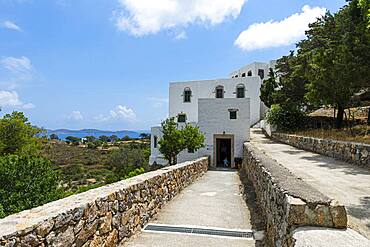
[{"x": 223, "y": 152}]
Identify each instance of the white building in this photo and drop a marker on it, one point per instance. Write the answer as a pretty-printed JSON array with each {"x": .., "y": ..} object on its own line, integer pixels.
[{"x": 224, "y": 110}]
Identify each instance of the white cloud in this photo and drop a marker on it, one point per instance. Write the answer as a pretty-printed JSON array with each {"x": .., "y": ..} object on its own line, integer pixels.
[
  {"x": 119, "y": 113},
  {"x": 11, "y": 99},
  {"x": 10, "y": 25},
  {"x": 278, "y": 33},
  {"x": 17, "y": 65},
  {"x": 143, "y": 17},
  {"x": 76, "y": 115},
  {"x": 123, "y": 112},
  {"x": 181, "y": 36}
]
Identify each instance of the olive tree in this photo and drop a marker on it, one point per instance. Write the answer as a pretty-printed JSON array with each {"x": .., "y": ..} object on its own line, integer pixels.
[{"x": 176, "y": 139}]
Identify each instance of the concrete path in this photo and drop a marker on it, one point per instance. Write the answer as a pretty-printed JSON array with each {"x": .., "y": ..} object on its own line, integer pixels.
[
  {"x": 344, "y": 182},
  {"x": 213, "y": 201}
]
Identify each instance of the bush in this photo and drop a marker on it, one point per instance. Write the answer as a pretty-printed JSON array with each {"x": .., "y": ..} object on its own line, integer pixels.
[
  {"x": 128, "y": 159},
  {"x": 26, "y": 182},
  {"x": 285, "y": 118}
]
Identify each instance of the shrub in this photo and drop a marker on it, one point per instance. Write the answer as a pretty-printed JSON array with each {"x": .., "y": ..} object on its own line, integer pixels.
[
  {"x": 26, "y": 182},
  {"x": 285, "y": 118},
  {"x": 128, "y": 159}
]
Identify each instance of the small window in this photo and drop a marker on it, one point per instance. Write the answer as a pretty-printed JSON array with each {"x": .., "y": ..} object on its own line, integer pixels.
[
  {"x": 240, "y": 91},
  {"x": 250, "y": 73},
  {"x": 155, "y": 141},
  {"x": 181, "y": 118},
  {"x": 261, "y": 73},
  {"x": 187, "y": 95},
  {"x": 243, "y": 75},
  {"x": 236, "y": 76},
  {"x": 219, "y": 92},
  {"x": 233, "y": 113},
  {"x": 190, "y": 151}
]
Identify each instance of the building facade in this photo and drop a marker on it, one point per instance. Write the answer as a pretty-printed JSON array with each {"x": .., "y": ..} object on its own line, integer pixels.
[{"x": 224, "y": 110}]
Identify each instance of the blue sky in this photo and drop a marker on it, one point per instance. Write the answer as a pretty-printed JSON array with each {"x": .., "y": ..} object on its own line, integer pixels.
[{"x": 106, "y": 63}]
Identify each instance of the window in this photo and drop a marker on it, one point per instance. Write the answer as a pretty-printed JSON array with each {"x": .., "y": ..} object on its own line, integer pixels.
[
  {"x": 243, "y": 75},
  {"x": 233, "y": 113},
  {"x": 219, "y": 92},
  {"x": 187, "y": 95},
  {"x": 261, "y": 73},
  {"x": 250, "y": 73},
  {"x": 240, "y": 91},
  {"x": 190, "y": 151},
  {"x": 236, "y": 76},
  {"x": 155, "y": 141},
  {"x": 181, "y": 118}
]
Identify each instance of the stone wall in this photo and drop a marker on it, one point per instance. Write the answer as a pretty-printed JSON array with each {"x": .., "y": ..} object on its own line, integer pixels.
[
  {"x": 100, "y": 217},
  {"x": 356, "y": 153},
  {"x": 286, "y": 201}
]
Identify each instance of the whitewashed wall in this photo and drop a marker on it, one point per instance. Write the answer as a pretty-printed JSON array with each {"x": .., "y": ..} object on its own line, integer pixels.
[
  {"x": 214, "y": 119},
  {"x": 206, "y": 90}
]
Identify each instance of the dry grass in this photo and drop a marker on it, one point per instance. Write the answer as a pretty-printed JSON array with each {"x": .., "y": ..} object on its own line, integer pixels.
[
  {"x": 359, "y": 113},
  {"x": 357, "y": 134}
]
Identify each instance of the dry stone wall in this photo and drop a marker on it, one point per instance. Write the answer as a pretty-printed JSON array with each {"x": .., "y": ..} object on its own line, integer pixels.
[
  {"x": 100, "y": 217},
  {"x": 286, "y": 201},
  {"x": 356, "y": 153}
]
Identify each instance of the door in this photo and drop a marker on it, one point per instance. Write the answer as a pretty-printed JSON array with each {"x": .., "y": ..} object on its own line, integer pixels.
[{"x": 223, "y": 152}]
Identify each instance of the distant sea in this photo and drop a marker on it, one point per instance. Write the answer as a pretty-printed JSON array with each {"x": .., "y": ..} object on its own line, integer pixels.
[{"x": 63, "y": 133}]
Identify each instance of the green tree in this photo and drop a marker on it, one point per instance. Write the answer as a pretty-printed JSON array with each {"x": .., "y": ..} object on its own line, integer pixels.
[
  {"x": 337, "y": 52},
  {"x": 26, "y": 182},
  {"x": 54, "y": 137},
  {"x": 113, "y": 138},
  {"x": 90, "y": 138},
  {"x": 128, "y": 159},
  {"x": 175, "y": 140},
  {"x": 17, "y": 135},
  {"x": 144, "y": 136},
  {"x": 126, "y": 138},
  {"x": 104, "y": 138},
  {"x": 73, "y": 140},
  {"x": 268, "y": 89}
]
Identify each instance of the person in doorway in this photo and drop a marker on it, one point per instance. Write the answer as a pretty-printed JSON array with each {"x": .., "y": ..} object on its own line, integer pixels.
[{"x": 226, "y": 162}]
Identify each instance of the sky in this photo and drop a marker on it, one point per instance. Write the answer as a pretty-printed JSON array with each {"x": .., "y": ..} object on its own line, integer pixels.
[{"x": 106, "y": 64}]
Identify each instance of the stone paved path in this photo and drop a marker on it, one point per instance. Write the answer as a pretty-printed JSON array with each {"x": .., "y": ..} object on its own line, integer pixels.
[
  {"x": 212, "y": 201},
  {"x": 344, "y": 182}
]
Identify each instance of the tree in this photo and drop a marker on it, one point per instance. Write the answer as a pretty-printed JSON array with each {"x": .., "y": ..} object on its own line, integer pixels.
[
  {"x": 104, "y": 138},
  {"x": 126, "y": 138},
  {"x": 175, "y": 140},
  {"x": 268, "y": 89},
  {"x": 337, "y": 52},
  {"x": 54, "y": 137},
  {"x": 73, "y": 140},
  {"x": 90, "y": 138},
  {"x": 17, "y": 135},
  {"x": 128, "y": 159},
  {"x": 113, "y": 138},
  {"x": 26, "y": 182},
  {"x": 144, "y": 136}
]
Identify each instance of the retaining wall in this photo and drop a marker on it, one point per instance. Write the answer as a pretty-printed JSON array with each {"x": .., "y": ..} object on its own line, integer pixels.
[
  {"x": 286, "y": 201},
  {"x": 352, "y": 152},
  {"x": 100, "y": 217}
]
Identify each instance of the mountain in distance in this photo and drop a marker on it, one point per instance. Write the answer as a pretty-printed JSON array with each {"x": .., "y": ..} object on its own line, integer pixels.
[{"x": 63, "y": 133}]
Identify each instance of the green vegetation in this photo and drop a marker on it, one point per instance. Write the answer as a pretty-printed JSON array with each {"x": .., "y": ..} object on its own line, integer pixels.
[
  {"x": 26, "y": 182},
  {"x": 36, "y": 170},
  {"x": 17, "y": 135},
  {"x": 286, "y": 119},
  {"x": 330, "y": 66},
  {"x": 175, "y": 140}
]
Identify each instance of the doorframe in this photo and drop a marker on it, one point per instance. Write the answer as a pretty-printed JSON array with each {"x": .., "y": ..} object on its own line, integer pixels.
[{"x": 223, "y": 136}]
